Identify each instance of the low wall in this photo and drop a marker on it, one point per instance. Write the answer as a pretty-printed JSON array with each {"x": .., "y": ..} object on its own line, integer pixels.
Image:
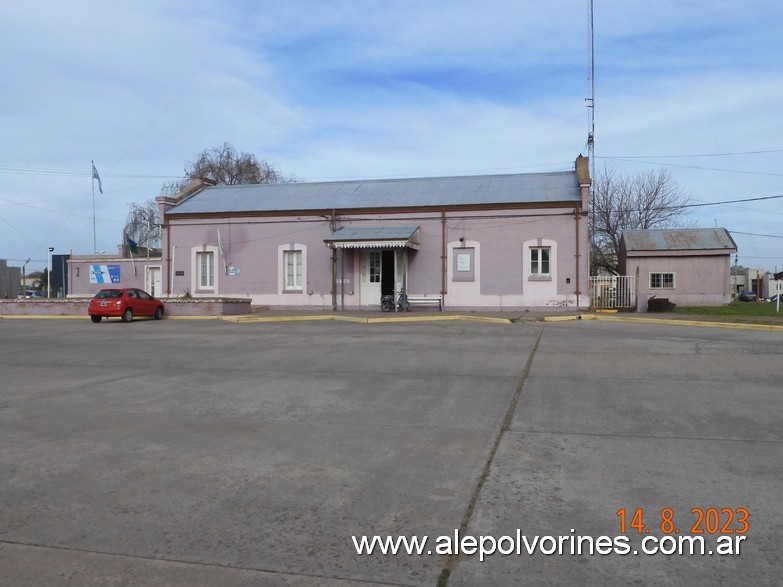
[
  {"x": 178, "y": 307},
  {"x": 207, "y": 307}
]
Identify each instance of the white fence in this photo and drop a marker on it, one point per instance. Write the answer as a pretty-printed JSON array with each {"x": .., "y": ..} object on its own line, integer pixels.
[{"x": 613, "y": 291}]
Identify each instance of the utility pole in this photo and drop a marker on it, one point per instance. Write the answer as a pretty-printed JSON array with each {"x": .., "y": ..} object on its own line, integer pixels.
[{"x": 49, "y": 274}]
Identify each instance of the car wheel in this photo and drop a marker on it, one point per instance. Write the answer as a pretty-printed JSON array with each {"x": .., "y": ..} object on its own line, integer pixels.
[
  {"x": 158, "y": 313},
  {"x": 127, "y": 315},
  {"x": 96, "y": 319}
]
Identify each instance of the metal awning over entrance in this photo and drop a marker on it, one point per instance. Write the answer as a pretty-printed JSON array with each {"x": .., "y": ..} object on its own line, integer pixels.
[{"x": 380, "y": 237}]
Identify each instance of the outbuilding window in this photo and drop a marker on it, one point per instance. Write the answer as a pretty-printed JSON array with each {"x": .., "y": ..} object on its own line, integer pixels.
[{"x": 661, "y": 280}]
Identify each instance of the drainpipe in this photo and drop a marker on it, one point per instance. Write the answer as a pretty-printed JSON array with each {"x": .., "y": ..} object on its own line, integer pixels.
[
  {"x": 333, "y": 227},
  {"x": 582, "y": 168},
  {"x": 169, "y": 275},
  {"x": 334, "y": 279},
  {"x": 577, "y": 214},
  {"x": 443, "y": 257}
]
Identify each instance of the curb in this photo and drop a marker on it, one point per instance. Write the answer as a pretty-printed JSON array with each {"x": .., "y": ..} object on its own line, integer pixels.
[
  {"x": 247, "y": 319},
  {"x": 318, "y": 317},
  {"x": 86, "y": 317},
  {"x": 40, "y": 317},
  {"x": 403, "y": 319},
  {"x": 668, "y": 321}
]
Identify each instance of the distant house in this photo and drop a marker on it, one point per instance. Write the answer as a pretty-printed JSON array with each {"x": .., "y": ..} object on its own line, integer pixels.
[
  {"x": 88, "y": 274},
  {"x": 493, "y": 242},
  {"x": 10, "y": 280},
  {"x": 690, "y": 267}
]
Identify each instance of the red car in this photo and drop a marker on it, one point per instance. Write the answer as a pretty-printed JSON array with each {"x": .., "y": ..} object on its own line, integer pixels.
[{"x": 124, "y": 303}]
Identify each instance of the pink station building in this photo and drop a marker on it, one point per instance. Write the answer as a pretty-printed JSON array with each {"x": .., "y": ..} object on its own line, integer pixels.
[{"x": 490, "y": 242}]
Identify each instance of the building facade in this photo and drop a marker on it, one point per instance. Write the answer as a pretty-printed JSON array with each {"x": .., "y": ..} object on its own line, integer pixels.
[
  {"x": 88, "y": 274},
  {"x": 478, "y": 242},
  {"x": 10, "y": 281},
  {"x": 690, "y": 267}
]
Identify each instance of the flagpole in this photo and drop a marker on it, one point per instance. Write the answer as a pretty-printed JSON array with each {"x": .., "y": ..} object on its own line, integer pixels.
[{"x": 94, "y": 240}]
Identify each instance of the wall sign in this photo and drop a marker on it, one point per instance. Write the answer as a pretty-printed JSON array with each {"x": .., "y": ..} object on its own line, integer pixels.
[
  {"x": 463, "y": 262},
  {"x": 104, "y": 273}
]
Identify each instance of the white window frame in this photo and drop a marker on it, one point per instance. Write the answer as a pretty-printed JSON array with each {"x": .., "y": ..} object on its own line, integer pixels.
[
  {"x": 374, "y": 266},
  {"x": 661, "y": 276},
  {"x": 536, "y": 265},
  {"x": 293, "y": 279},
  {"x": 282, "y": 268},
  {"x": 205, "y": 271}
]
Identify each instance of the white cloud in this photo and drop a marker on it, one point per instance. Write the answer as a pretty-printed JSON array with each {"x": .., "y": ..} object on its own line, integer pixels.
[{"x": 357, "y": 88}]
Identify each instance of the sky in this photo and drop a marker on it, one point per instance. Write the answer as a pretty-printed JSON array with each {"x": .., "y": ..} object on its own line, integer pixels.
[{"x": 361, "y": 89}]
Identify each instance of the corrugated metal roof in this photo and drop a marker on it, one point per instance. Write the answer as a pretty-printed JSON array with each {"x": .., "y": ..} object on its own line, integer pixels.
[
  {"x": 691, "y": 239},
  {"x": 366, "y": 233},
  {"x": 367, "y": 237},
  {"x": 387, "y": 193}
]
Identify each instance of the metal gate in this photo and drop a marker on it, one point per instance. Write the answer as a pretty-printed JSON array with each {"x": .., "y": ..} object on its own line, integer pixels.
[{"x": 613, "y": 291}]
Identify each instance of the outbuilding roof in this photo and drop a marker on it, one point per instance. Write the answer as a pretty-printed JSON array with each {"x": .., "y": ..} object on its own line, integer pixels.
[
  {"x": 544, "y": 188},
  {"x": 690, "y": 239}
]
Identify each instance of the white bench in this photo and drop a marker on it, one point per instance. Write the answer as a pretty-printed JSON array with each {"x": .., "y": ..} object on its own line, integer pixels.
[{"x": 426, "y": 301}]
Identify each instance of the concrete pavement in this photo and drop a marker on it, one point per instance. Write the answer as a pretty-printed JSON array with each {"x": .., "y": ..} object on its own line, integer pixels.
[{"x": 205, "y": 452}]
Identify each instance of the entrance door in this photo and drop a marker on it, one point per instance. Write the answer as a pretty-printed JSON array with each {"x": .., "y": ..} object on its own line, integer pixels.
[
  {"x": 382, "y": 274},
  {"x": 152, "y": 282},
  {"x": 387, "y": 273},
  {"x": 371, "y": 277}
]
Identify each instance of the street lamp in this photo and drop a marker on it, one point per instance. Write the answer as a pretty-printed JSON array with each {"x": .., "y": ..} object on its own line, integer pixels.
[
  {"x": 24, "y": 276},
  {"x": 736, "y": 264},
  {"x": 49, "y": 275}
]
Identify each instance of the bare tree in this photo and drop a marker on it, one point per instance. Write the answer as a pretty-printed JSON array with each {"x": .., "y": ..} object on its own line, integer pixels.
[
  {"x": 649, "y": 199},
  {"x": 225, "y": 165},
  {"x": 142, "y": 225}
]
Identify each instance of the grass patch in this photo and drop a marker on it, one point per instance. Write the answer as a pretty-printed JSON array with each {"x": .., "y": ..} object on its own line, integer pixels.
[
  {"x": 733, "y": 309},
  {"x": 737, "y": 312}
]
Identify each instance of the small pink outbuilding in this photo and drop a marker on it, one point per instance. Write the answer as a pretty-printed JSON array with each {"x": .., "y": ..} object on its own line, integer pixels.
[{"x": 689, "y": 267}]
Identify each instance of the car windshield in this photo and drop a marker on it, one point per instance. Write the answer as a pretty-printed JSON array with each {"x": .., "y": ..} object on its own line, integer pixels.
[{"x": 108, "y": 293}]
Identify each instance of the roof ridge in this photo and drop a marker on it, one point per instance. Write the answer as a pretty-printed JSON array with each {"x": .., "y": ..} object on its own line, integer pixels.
[{"x": 391, "y": 179}]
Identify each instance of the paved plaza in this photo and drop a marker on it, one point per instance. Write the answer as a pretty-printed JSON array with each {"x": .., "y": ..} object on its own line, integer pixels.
[{"x": 207, "y": 452}]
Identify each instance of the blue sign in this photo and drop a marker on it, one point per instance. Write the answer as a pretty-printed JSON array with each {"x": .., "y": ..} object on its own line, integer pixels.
[{"x": 104, "y": 273}]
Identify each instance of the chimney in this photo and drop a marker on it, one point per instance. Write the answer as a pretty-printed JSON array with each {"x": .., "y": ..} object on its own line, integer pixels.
[{"x": 583, "y": 177}]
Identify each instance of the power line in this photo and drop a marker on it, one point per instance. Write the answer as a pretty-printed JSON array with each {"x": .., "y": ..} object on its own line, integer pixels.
[
  {"x": 698, "y": 155},
  {"x": 755, "y": 234},
  {"x": 72, "y": 173},
  {"x": 725, "y": 202},
  {"x": 699, "y": 205},
  {"x": 631, "y": 159}
]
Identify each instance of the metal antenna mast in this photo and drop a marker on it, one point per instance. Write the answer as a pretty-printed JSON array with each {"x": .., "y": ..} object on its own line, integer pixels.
[{"x": 590, "y": 102}]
